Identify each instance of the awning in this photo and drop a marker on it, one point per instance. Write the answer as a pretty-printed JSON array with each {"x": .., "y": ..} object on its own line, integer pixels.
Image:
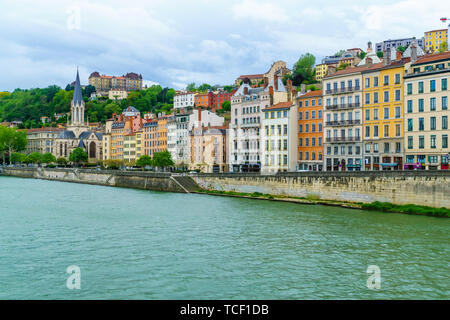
[
  {"x": 389, "y": 164},
  {"x": 353, "y": 166}
]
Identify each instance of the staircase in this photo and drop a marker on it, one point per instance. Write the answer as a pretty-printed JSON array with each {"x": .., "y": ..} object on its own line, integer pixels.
[{"x": 187, "y": 183}]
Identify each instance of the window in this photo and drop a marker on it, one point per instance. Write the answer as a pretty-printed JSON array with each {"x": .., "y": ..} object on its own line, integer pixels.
[
  {"x": 444, "y": 103},
  {"x": 421, "y": 87},
  {"x": 386, "y": 130},
  {"x": 367, "y": 131},
  {"x": 421, "y": 105},
  {"x": 444, "y": 84},
  {"x": 432, "y": 104},
  {"x": 375, "y": 81},
  {"x": 367, "y": 82},
  {"x": 386, "y": 80},
  {"x": 397, "y": 130},
  {"x": 386, "y": 113},
  {"x": 397, "y": 78},
  {"x": 410, "y": 142},
  {"x": 367, "y": 98},
  {"x": 432, "y": 85},
  {"x": 375, "y": 131},
  {"x": 386, "y": 96},
  {"x": 375, "y": 114},
  {"x": 409, "y": 88},
  {"x": 397, "y": 95},
  {"x": 410, "y": 124},
  {"x": 421, "y": 142},
  {"x": 433, "y": 141},
  {"x": 367, "y": 114},
  {"x": 421, "y": 124},
  {"x": 444, "y": 141},
  {"x": 444, "y": 122},
  {"x": 375, "y": 97},
  {"x": 433, "y": 123},
  {"x": 409, "y": 106},
  {"x": 397, "y": 112}
]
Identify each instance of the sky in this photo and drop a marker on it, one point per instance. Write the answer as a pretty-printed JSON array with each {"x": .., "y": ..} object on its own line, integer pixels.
[{"x": 177, "y": 42}]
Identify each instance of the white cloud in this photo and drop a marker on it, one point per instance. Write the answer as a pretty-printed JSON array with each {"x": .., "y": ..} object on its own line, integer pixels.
[{"x": 259, "y": 10}]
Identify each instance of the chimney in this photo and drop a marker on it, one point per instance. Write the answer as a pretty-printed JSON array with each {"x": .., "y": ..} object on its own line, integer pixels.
[
  {"x": 387, "y": 57},
  {"x": 302, "y": 88},
  {"x": 331, "y": 70},
  {"x": 266, "y": 82},
  {"x": 275, "y": 82},
  {"x": 271, "y": 95},
  {"x": 413, "y": 53},
  {"x": 289, "y": 89},
  {"x": 398, "y": 55},
  {"x": 246, "y": 90},
  {"x": 368, "y": 61}
]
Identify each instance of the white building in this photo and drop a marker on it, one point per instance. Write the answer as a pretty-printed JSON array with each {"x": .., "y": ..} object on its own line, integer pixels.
[
  {"x": 117, "y": 94},
  {"x": 184, "y": 100},
  {"x": 178, "y": 138},
  {"x": 244, "y": 149},
  {"x": 207, "y": 119},
  {"x": 279, "y": 138}
]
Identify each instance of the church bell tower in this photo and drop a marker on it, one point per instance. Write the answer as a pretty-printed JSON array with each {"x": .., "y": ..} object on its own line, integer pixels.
[{"x": 77, "y": 105}]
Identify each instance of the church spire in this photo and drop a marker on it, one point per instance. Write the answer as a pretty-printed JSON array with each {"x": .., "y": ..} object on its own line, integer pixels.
[{"x": 77, "y": 95}]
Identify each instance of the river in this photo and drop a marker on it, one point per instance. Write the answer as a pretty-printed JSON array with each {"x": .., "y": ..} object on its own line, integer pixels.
[{"x": 137, "y": 244}]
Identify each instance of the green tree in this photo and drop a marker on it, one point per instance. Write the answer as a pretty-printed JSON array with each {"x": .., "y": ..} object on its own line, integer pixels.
[
  {"x": 191, "y": 87},
  {"x": 303, "y": 71},
  {"x": 342, "y": 66},
  {"x": 18, "y": 157},
  {"x": 226, "y": 106},
  {"x": 339, "y": 53},
  {"x": 401, "y": 49},
  {"x": 144, "y": 161},
  {"x": 12, "y": 140},
  {"x": 48, "y": 158},
  {"x": 380, "y": 54},
  {"x": 443, "y": 47},
  {"x": 34, "y": 157},
  {"x": 78, "y": 155},
  {"x": 61, "y": 161},
  {"x": 162, "y": 159}
]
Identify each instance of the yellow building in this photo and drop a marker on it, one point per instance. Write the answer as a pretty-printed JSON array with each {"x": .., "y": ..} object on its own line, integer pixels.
[
  {"x": 132, "y": 148},
  {"x": 116, "y": 142},
  {"x": 383, "y": 116},
  {"x": 321, "y": 71},
  {"x": 162, "y": 133},
  {"x": 434, "y": 38}
]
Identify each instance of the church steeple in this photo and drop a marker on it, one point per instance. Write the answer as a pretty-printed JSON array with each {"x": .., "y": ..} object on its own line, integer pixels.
[{"x": 77, "y": 105}]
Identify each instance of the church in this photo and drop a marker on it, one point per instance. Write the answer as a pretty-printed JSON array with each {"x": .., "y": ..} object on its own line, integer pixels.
[{"x": 77, "y": 133}]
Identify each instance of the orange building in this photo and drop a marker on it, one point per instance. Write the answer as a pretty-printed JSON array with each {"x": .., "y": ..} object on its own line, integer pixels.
[
  {"x": 203, "y": 100},
  {"x": 150, "y": 138},
  {"x": 310, "y": 131},
  {"x": 162, "y": 133}
]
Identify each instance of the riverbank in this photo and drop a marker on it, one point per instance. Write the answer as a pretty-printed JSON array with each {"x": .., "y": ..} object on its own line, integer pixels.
[
  {"x": 374, "y": 206},
  {"x": 381, "y": 191}
]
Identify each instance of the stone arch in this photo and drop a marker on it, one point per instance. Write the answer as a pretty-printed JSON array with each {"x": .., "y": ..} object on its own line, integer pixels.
[{"x": 92, "y": 150}]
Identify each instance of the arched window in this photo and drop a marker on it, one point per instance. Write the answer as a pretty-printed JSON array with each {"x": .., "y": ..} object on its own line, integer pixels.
[{"x": 92, "y": 151}]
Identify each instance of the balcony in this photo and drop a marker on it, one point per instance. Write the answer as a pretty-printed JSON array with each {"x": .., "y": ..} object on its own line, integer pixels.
[
  {"x": 342, "y": 123},
  {"x": 342, "y": 90},
  {"x": 343, "y": 106},
  {"x": 342, "y": 139}
]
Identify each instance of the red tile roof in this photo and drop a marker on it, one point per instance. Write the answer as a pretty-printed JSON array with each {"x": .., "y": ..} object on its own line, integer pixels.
[
  {"x": 315, "y": 93},
  {"x": 281, "y": 105},
  {"x": 433, "y": 57},
  {"x": 250, "y": 76}
]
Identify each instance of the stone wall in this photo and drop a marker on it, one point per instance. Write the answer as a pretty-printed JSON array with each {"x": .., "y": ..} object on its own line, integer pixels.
[{"x": 430, "y": 188}]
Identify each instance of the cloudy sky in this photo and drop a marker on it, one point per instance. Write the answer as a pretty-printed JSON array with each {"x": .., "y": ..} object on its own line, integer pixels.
[{"x": 181, "y": 41}]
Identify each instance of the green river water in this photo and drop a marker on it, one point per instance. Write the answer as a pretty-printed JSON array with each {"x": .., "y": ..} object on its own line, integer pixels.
[{"x": 136, "y": 244}]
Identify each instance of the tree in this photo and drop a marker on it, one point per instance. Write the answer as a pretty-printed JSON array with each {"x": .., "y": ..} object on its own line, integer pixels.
[
  {"x": 112, "y": 164},
  {"x": 339, "y": 53},
  {"x": 362, "y": 55},
  {"x": 443, "y": 47},
  {"x": 401, "y": 49},
  {"x": 48, "y": 158},
  {"x": 88, "y": 90},
  {"x": 190, "y": 87},
  {"x": 18, "y": 157},
  {"x": 342, "y": 66},
  {"x": 226, "y": 106},
  {"x": 380, "y": 54},
  {"x": 34, "y": 157},
  {"x": 61, "y": 161},
  {"x": 78, "y": 155},
  {"x": 144, "y": 161},
  {"x": 162, "y": 159},
  {"x": 304, "y": 70},
  {"x": 12, "y": 140}
]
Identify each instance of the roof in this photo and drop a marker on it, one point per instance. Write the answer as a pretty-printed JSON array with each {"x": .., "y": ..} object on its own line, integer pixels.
[
  {"x": 48, "y": 129},
  {"x": 66, "y": 134},
  {"x": 251, "y": 76},
  {"x": 81, "y": 144},
  {"x": 130, "y": 109},
  {"x": 436, "y": 30},
  {"x": 433, "y": 57},
  {"x": 350, "y": 70},
  {"x": 281, "y": 105},
  {"x": 77, "y": 94},
  {"x": 315, "y": 93}
]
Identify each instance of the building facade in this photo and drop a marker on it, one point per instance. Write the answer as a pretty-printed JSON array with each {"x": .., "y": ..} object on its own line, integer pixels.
[
  {"x": 184, "y": 100},
  {"x": 310, "y": 131},
  {"x": 278, "y": 138},
  {"x": 383, "y": 115},
  {"x": 104, "y": 83},
  {"x": 427, "y": 113},
  {"x": 178, "y": 138},
  {"x": 42, "y": 140},
  {"x": 393, "y": 44},
  {"x": 208, "y": 149},
  {"x": 434, "y": 38}
]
